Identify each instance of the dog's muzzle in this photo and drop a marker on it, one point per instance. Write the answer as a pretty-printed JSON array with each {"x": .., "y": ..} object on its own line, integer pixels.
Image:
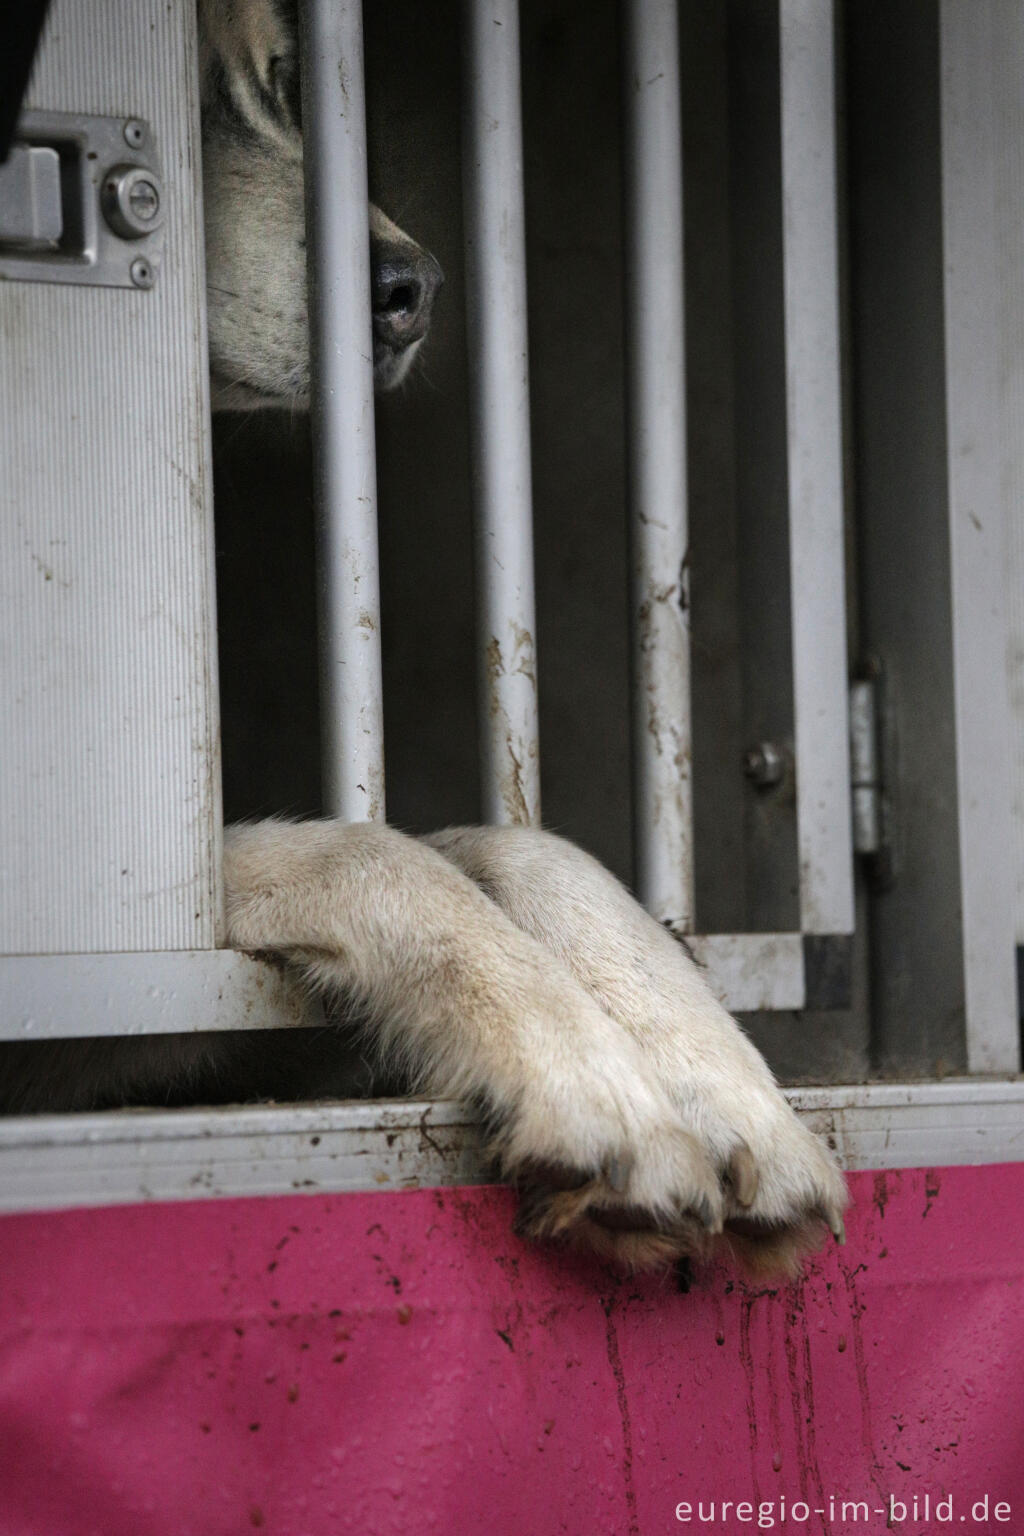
[{"x": 405, "y": 281}]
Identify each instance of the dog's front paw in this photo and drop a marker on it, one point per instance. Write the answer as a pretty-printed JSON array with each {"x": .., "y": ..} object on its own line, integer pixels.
[
  {"x": 746, "y": 1182},
  {"x": 602, "y": 1161},
  {"x": 788, "y": 1194},
  {"x": 783, "y": 1190},
  {"x": 777, "y": 1186}
]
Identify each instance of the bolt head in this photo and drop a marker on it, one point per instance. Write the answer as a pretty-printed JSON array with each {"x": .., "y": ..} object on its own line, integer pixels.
[{"x": 764, "y": 764}]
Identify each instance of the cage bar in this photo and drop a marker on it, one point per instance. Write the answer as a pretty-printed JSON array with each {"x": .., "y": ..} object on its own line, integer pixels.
[
  {"x": 662, "y": 801},
  {"x": 814, "y": 461},
  {"x": 500, "y": 413},
  {"x": 341, "y": 402}
]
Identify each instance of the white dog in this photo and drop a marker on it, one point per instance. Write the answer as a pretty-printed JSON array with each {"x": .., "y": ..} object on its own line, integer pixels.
[{"x": 501, "y": 966}]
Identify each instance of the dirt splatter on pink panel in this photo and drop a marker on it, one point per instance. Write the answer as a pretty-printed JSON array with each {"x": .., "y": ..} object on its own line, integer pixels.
[{"x": 401, "y": 1363}]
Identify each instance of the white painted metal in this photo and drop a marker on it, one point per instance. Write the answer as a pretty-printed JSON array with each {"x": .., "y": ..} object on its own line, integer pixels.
[
  {"x": 338, "y": 265},
  {"x": 53, "y": 1161},
  {"x": 52, "y": 997},
  {"x": 968, "y": 55},
  {"x": 1008, "y": 107},
  {"x": 954, "y": 1123},
  {"x": 65, "y": 1160},
  {"x": 663, "y": 819},
  {"x": 108, "y": 750},
  {"x": 500, "y": 412},
  {"x": 811, "y": 276},
  {"x": 749, "y": 972}
]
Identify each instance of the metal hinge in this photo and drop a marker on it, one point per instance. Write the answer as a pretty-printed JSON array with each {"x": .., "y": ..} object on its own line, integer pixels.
[{"x": 872, "y": 773}]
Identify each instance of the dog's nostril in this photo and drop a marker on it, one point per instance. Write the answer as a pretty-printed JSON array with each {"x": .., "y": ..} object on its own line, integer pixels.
[
  {"x": 399, "y": 301},
  {"x": 404, "y": 282}
]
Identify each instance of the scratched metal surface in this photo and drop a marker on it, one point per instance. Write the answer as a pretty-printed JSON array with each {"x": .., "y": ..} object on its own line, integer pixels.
[{"x": 395, "y": 1363}]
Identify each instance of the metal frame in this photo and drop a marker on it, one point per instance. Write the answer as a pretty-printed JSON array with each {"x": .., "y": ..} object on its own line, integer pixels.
[
  {"x": 975, "y": 468},
  {"x": 753, "y": 972},
  {"x": 749, "y": 971},
  {"x": 63, "y": 997},
  {"x": 813, "y": 421},
  {"x": 54, "y": 1161}
]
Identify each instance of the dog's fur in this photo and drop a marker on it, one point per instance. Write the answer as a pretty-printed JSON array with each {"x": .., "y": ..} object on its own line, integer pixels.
[{"x": 501, "y": 966}]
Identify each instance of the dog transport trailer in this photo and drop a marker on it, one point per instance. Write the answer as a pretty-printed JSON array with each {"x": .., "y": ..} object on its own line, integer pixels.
[{"x": 316, "y": 1318}]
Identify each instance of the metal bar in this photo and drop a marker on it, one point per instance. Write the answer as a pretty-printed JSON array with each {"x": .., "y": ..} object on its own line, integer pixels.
[
  {"x": 54, "y": 997},
  {"x": 500, "y": 412},
  {"x": 662, "y": 802},
  {"x": 65, "y": 997},
  {"x": 811, "y": 277},
  {"x": 975, "y": 468},
  {"x": 60, "y": 1161},
  {"x": 341, "y": 387}
]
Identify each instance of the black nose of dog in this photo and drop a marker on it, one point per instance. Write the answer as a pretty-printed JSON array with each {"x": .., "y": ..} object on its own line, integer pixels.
[{"x": 404, "y": 282}]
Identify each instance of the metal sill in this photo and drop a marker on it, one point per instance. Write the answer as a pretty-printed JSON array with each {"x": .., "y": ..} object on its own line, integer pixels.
[{"x": 54, "y": 1161}]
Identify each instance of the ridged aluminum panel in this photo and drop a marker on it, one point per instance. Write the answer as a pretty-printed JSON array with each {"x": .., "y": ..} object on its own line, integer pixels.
[{"x": 108, "y": 754}]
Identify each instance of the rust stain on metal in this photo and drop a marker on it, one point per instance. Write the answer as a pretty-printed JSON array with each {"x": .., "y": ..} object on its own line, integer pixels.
[
  {"x": 495, "y": 669},
  {"x": 512, "y": 791},
  {"x": 524, "y": 654},
  {"x": 666, "y": 733},
  {"x": 514, "y": 754}
]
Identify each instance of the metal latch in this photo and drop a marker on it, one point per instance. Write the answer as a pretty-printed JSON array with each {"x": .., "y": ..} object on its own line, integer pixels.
[
  {"x": 30, "y": 212},
  {"x": 82, "y": 201}
]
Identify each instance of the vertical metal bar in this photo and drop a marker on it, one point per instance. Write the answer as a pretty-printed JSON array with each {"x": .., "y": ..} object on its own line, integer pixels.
[
  {"x": 662, "y": 805},
  {"x": 975, "y": 468},
  {"x": 817, "y": 585},
  {"x": 500, "y": 412},
  {"x": 341, "y": 366}
]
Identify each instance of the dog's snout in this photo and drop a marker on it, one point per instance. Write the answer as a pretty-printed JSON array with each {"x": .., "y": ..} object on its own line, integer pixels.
[{"x": 405, "y": 281}]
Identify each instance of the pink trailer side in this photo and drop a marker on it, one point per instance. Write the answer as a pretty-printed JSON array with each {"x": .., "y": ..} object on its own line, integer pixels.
[{"x": 389, "y": 1363}]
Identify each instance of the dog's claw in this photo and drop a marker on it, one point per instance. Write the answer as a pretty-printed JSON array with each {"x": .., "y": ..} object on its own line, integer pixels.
[
  {"x": 707, "y": 1215},
  {"x": 835, "y": 1224},
  {"x": 616, "y": 1173},
  {"x": 742, "y": 1175}
]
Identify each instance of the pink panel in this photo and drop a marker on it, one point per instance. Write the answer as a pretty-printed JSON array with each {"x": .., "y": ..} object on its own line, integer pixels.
[{"x": 401, "y": 1363}]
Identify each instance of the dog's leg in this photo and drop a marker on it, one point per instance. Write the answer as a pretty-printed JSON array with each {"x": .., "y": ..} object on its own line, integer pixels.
[
  {"x": 781, "y": 1181},
  {"x": 477, "y": 1009}
]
